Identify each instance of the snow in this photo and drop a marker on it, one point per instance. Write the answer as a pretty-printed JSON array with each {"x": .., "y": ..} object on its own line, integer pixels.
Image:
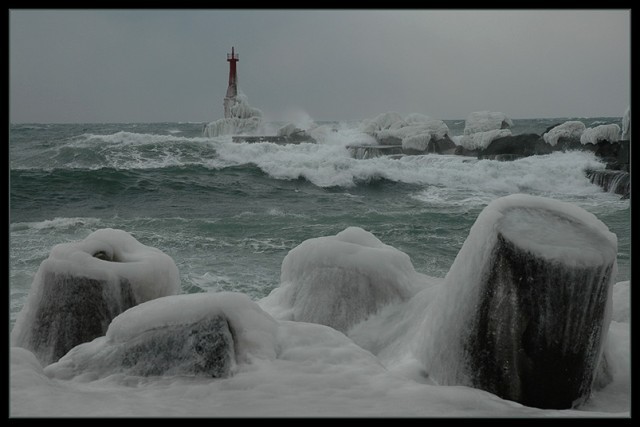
[
  {"x": 288, "y": 367},
  {"x": 483, "y": 121},
  {"x": 610, "y": 132},
  {"x": 568, "y": 129}
]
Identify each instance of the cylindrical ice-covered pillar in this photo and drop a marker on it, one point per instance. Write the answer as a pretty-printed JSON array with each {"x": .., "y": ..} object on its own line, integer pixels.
[
  {"x": 524, "y": 311},
  {"x": 82, "y": 286}
]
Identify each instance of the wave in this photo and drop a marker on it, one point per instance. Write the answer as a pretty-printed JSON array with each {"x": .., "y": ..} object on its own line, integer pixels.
[{"x": 56, "y": 223}]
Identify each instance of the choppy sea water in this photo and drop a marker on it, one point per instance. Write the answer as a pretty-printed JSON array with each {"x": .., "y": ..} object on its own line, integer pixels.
[{"x": 228, "y": 213}]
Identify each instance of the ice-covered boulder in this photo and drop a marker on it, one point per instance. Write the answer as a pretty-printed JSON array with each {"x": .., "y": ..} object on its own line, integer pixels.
[
  {"x": 193, "y": 334},
  {"x": 340, "y": 280},
  {"x": 416, "y": 133},
  {"x": 82, "y": 286},
  {"x": 484, "y": 121},
  {"x": 610, "y": 132},
  {"x": 525, "y": 308},
  {"x": 569, "y": 130},
  {"x": 481, "y": 140}
]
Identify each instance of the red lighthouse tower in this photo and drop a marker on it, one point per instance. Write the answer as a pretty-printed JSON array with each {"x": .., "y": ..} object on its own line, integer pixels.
[{"x": 232, "y": 90}]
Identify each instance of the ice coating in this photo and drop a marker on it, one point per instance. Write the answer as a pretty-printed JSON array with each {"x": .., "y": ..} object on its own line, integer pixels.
[
  {"x": 151, "y": 272},
  {"x": 556, "y": 235},
  {"x": 610, "y": 132},
  {"x": 481, "y": 140},
  {"x": 483, "y": 121},
  {"x": 253, "y": 329},
  {"x": 317, "y": 370},
  {"x": 83, "y": 285},
  {"x": 194, "y": 334},
  {"x": 340, "y": 280},
  {"x": 244, "y": 120},
  {"x": 457, "y": 304},
  {"x": 568, "y": 129},
  {"x": 414, "y": 131}
]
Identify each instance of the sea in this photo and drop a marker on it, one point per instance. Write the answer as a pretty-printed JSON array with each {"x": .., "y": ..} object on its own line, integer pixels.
[{"x": 228, "y": 213}]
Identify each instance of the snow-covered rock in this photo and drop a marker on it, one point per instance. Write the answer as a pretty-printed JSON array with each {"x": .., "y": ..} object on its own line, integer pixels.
[
  {"x": 483, "y": 121},
  {"x": 340, "y": 280},
  {"x": 572, "y": 129},
  {"x": 82, "y": 286},
  {"x": 525, "y": 308},
  {"x": 610, "y": 132},
  {"x": 194, "y": 334}
]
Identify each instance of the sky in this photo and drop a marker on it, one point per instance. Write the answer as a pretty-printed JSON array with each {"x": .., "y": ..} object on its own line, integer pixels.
[{"x": 121, "y": 65}]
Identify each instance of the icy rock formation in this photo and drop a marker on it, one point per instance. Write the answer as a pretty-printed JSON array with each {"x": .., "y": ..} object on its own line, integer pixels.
[
  {"x": 193, "y": 334},
  {"x": 416, "y": 133},
  {"x": 481, "y": 140},
  {"x": 340, "y": 280},
  {"x": 481, "y": 128},
  {"x": 244, "y": 120},
  {"x": 483, "y": 121},
  {"x": 83, "y": 285},
  {"x": 610, "y": 132},
  {"x": 525, "y": 308},
  {"x": 569, "y": 130}
]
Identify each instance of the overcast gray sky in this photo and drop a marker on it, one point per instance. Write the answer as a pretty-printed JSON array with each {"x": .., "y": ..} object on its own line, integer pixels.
[{"x": 170, "y": 65}]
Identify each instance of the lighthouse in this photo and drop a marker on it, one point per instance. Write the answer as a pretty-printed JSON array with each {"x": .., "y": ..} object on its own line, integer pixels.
[{"x": 232, "y": 90}]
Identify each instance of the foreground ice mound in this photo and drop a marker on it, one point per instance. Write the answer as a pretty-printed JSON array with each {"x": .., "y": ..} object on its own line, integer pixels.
[
  {"x": 83, "y": 285},
  {"x": 194, "y": 334},
  {"x": 340, "y": 280},
  {"x": 524, "y": 310},
  {"x": 244, "y": 120}
]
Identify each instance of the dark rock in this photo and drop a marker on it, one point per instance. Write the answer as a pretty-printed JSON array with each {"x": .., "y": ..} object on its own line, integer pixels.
[
  {"x": 568, "y": 144},
  {"x": 517, "y": 145},
  {"x": 74, "y": 310},
  {"x": 202, "y": 348},
  {"x": 441, "y": 146},
  {"x": 546, "y": 358}
]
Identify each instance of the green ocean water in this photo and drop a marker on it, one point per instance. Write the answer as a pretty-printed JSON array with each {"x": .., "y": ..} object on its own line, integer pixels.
[{"x": 228, "y": 213}]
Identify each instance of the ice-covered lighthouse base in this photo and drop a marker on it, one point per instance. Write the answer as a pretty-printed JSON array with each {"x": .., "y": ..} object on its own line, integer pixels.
[{"x": 525, "y": 308}]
